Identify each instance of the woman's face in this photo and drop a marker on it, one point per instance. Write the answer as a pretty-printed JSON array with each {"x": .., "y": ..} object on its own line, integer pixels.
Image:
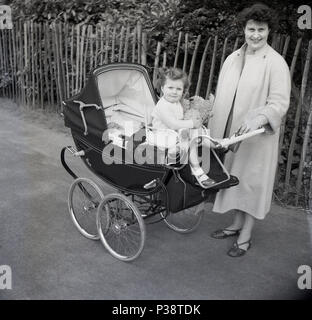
[{"x": 256, "y": 34}]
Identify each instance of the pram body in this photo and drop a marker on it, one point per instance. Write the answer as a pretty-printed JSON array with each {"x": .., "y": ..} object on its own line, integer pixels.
[{"x": 115, "y": 95}]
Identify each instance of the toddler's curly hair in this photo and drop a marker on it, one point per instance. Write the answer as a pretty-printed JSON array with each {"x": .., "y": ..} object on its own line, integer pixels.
[{"x": 174, "y": 74}]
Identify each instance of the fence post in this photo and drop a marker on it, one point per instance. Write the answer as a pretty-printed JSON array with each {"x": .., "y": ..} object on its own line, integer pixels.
[
  {"x": 121, "y": 43},
  {"x": 77, "y": 57},
  {"x": 236, "y": 44},
  {"x": 286, "y": 44},
  {"x": 32, "y": 62},
  {"x": 297, "y": 118},
  {"x": 139, "y": 30},
  {"x": 11, "y": 54},
  {"x": 26, "y": 44},
  {"x": 156, "y": 63},
  {"x": 185, "y": 51},
  {"x": 213, "y": 61},
  {"x": 178, "y": 50},
  {"x": 1, "y": 57},
  {"x": 223, "y": 53},
  {"x": 134, "y": 44},
  {"x": 58, "y": 64},
  {"x": 72, "y": 63},
  {"x": 107, "y": 31},
  {"x": 144, "y": 48},
  {"x": 2, "y": 63},
  {"x": 66, "y": 75},
  {"x": 282, "y": 130},
  {"x": 304, "y": 153},
  {"x": 202, "y": 67},
  {"x": 113, "y": 44},
  {"x": 14, "y": 52},
  {"x": 310, "y": 196},
  {"x": 294, "y": 60},
  {"x": 88, "y": 42},
  {"x": 125, "y": 57},
  {"x": 306, "y": 136},
  {"x": 194, "y": 58},
  {"x": 164, "y": 59}
]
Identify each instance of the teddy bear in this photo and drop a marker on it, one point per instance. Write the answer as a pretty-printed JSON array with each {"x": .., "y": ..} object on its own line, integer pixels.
[{"x": 198, "y": 107}]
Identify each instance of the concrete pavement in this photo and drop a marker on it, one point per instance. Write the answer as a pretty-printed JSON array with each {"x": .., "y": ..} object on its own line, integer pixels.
[{"x": 51, "y": 260}]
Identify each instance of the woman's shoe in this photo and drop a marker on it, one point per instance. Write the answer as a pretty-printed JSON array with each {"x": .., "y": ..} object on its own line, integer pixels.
[
  {"x": 236, "y": 251},
  {"x": 222, "y": 234}
]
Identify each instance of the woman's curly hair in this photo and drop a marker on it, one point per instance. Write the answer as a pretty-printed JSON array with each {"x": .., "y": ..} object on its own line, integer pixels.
[{"x": 258, "y": 12}]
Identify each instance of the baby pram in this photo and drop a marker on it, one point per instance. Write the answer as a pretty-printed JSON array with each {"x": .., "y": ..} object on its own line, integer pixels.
[{"x": 110, "y": 114}]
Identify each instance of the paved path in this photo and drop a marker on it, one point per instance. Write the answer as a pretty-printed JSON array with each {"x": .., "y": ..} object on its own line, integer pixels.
[{"x": 51, "y": 260}]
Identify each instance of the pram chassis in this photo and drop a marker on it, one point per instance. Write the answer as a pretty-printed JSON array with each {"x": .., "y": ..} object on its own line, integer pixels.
[{"x": 86, "y": 198}]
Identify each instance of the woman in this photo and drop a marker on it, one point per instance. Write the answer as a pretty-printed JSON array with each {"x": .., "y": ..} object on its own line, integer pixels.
[{"x": 253, "y": 91}]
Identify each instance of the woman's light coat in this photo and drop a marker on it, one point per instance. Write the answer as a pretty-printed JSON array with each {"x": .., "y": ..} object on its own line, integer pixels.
[{"x": 262, "y": 87}]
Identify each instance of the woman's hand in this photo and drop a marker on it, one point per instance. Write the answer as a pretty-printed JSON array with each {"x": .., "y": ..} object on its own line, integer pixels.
[{"x": 252, "y": 124}]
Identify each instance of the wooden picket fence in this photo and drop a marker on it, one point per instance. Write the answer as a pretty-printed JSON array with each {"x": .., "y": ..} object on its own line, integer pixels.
[{"x": 42, "y": 64}]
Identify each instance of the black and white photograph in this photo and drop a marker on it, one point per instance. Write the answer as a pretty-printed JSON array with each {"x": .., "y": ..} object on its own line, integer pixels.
[{"x": 155, "y": 155}]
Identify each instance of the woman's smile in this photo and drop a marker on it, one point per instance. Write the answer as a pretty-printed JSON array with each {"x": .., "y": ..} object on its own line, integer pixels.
[{"x": 256, "y": 34}]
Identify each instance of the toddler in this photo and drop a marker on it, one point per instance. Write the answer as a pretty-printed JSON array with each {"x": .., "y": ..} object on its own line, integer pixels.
[{"x": 168, "y": 114}]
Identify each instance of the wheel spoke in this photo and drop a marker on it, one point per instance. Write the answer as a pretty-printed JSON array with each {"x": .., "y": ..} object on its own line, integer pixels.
[
  {"x": 124, "y": 235},
  {"x": 83, "y": 199}
]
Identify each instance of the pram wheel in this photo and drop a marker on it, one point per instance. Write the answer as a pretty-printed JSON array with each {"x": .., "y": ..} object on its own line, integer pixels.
[
  {"x": 185, "y": 221},
  {"x": 120, "y": 227},
  {"x": 83, "y": 200}
]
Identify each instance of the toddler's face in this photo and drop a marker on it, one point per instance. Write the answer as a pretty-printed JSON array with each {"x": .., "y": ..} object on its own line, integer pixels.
[{"x": 173, "y": 90}]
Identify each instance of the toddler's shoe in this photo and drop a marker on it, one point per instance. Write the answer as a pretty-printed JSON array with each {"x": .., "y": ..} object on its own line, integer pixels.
[{"x": 202, "y": 179}]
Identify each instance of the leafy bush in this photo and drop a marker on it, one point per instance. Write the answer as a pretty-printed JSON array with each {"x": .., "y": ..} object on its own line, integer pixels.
[{"x": 160, "y": 17}]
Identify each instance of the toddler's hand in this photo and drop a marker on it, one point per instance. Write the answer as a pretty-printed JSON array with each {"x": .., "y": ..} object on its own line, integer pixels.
[
  {"x": 184, "y": 133},
  {"x": 211, "y": 98},
  {"x": 197, "y": 123}
]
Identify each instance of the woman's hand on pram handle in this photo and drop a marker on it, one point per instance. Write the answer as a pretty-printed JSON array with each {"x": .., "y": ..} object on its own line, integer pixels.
[
  {"x": 235, "y": 138},
  {"x": 231, "y": 143},
  {"x": 252, "y": 124}
]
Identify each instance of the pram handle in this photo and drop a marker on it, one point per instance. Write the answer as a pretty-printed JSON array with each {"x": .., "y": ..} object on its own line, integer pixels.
[
  {"x": 224, "y": 143},
  {"x": 83, "y": 105},
  {"x": 235, "y": 139}
]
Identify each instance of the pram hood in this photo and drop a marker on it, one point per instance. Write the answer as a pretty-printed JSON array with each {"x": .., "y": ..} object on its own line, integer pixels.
[{"x": 123, "y": 91}]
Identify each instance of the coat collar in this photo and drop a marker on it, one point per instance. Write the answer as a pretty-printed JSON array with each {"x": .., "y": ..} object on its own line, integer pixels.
[{"x": 261, "y": 52}]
